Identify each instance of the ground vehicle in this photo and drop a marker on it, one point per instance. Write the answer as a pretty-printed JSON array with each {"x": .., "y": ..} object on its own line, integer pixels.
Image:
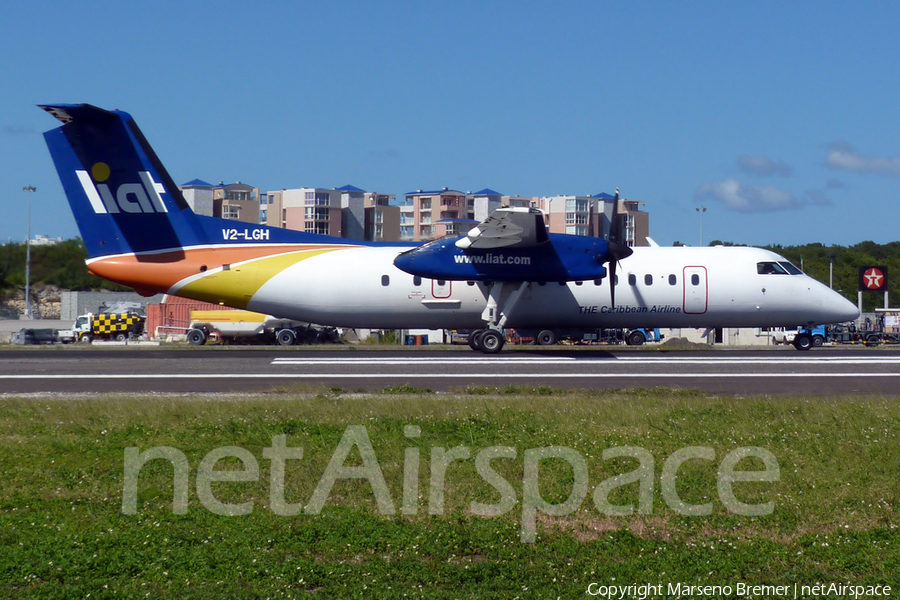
[
  {"x": 636, "y": 337},
  {"x": 243, "y": 326},
  {"x": 817, "y": 336},
  {"x": 119, "y": 326},
  {"x": 28, "y": 337}
]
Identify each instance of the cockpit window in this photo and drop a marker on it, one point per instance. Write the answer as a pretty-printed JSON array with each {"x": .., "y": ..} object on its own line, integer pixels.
[
  {"x": 770, "y": 268},
  {"x": 790, "y": 268}
]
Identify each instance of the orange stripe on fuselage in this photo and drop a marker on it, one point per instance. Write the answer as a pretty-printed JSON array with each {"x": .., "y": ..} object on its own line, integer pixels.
[{"x": 152, "y": 274}]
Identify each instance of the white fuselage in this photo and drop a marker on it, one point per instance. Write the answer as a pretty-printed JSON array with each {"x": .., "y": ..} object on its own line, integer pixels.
[{"x": 657, "y": 287}]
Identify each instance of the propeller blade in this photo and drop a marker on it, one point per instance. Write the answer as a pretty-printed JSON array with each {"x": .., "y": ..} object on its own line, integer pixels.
[
  {"x": 612, "y": 283},
  {"x": 616, "y": 249}
]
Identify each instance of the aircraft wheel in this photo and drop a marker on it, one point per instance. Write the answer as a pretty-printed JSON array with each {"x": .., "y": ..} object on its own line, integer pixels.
[
  {"x": 475, "y": 339},
  {"x": 546, "y": 338},
  {"x": 803, "y": 341},
  {"x": 196, "y": 337},
  {"x": 491, "y": 341},
  {"x": 635, "y": 338},
  {"x": 285, "y": 337},
  {"x": 818, "y": 341}
]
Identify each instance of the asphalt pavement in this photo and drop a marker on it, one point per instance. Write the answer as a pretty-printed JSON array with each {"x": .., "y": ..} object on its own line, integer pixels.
[{"x": 828, "y": 371}]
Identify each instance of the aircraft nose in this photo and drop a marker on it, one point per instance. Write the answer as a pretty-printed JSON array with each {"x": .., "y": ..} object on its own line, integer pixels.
[{"x": 839, "y": 309}]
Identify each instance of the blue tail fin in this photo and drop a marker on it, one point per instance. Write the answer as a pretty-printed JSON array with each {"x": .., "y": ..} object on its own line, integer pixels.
[{"x": 123, "y": 199}]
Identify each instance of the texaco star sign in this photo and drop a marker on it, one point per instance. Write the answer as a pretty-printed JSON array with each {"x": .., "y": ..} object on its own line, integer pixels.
[{"x": 873, "y": 278}]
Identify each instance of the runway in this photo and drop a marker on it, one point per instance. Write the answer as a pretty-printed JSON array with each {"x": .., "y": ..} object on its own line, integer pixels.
[{"x": 821, "y": 372}]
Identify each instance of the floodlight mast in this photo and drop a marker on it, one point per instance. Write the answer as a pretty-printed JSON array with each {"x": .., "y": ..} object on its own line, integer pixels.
[{"x": 30, "y": 189}]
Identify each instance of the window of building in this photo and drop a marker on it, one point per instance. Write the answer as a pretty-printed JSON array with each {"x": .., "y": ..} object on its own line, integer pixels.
[{"x": 231, "y": 211}]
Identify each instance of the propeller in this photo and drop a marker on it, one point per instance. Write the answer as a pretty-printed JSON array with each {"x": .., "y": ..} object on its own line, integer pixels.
[{"x": 617, "y": 249}]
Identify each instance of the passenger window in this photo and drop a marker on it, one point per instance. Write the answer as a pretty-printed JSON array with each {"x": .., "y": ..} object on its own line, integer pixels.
[
  {"x": 673, "y": 280},
  {"x": 578, "y": 282},
  {"x": 648, "y": 279},
  {"x": 470, "y": 283},
  {"x": 441, "y": 282},
  {"x": 385, "y": 280},
  {"x": 617, "y": 280},
  {"x": 695, "y": 279},
  {"x": 417, "y": 281},
  {"x": 598, "y": 282}
]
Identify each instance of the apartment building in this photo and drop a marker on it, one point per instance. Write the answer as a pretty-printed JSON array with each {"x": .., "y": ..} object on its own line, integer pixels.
[
  {"x": 382, "y": 219},
  {"x": 353, "y": 213},
  {"x": 199, "y": 196},
  {"x": 430, "y": 215},
  {"x": 237, "y": 201},
  {"x": 577, "y": 215},
  {"x": 636, "y": 223}
]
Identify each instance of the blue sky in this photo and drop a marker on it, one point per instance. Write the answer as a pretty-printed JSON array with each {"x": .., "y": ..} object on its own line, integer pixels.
[{"x": 781, "y": 118}]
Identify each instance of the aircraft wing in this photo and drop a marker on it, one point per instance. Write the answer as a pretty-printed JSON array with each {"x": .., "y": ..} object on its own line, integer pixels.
[{"x": 507, "y": 227}]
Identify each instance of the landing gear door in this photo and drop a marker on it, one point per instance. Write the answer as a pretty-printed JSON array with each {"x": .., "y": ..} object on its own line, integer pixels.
[{"x": 696, "y": 290}]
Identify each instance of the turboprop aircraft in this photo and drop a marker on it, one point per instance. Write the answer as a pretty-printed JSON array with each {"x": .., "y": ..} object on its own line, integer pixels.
[{"x": 507, "y": 271}]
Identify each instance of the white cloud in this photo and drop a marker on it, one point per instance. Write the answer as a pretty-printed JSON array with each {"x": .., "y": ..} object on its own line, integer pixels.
[
  {"x": 843, "y": 156},
  {"x": 760, "y": 165},
  {"x": 756, "y": 198}
]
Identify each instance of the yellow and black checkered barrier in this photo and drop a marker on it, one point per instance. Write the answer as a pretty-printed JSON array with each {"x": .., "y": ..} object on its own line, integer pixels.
[{"x": 112, "y": 323}]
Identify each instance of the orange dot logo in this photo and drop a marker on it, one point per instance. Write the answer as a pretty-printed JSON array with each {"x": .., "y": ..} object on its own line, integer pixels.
[{"x": 100, "y": 172}]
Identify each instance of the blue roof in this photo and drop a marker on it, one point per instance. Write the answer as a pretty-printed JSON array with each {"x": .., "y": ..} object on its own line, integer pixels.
[
  {"x": 432, "y": 192},
  {"x": 487, "y": 192},
  {"x": 350, "y": 188},
  {"x": 605, "y": 196},
  {"x": 196, "y": 183}
]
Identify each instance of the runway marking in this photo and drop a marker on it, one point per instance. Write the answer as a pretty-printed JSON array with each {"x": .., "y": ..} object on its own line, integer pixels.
[
  {"x": 489, "y": 360},
  {"x": 426, "y": 360},
  {"x": 96, "y": 376}
]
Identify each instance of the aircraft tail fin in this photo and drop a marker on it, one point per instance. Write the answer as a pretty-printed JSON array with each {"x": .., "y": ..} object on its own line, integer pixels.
[{"x": 123, "y": 199}]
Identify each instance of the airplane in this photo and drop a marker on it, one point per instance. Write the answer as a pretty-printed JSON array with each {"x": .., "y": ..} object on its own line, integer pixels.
[{"x": 507, "y": 271}]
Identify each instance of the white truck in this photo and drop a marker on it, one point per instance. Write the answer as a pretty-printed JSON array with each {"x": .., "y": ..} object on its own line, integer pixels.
[{"x": 243, "y": 326}]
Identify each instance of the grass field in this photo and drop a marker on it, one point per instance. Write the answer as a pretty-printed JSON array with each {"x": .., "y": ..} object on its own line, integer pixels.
[{"x": 63, "y": 533}]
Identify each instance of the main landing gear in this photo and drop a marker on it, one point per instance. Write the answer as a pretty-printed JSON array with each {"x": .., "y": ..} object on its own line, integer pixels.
[{"x": 490, "y": 340}]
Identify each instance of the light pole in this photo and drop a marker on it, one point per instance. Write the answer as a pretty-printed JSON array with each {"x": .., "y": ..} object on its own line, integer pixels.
[
  {"x": 30, "y": 189},
  {"x": 831, "y": 256},
  {"x": 701, "y": 210}
]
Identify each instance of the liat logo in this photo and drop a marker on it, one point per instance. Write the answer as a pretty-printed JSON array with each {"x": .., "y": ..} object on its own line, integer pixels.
[{"x": 141, "y": 197}]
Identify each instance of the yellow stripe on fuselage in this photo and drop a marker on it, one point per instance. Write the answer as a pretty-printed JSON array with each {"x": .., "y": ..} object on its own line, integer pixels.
[{"x": 236, "y": 285}]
